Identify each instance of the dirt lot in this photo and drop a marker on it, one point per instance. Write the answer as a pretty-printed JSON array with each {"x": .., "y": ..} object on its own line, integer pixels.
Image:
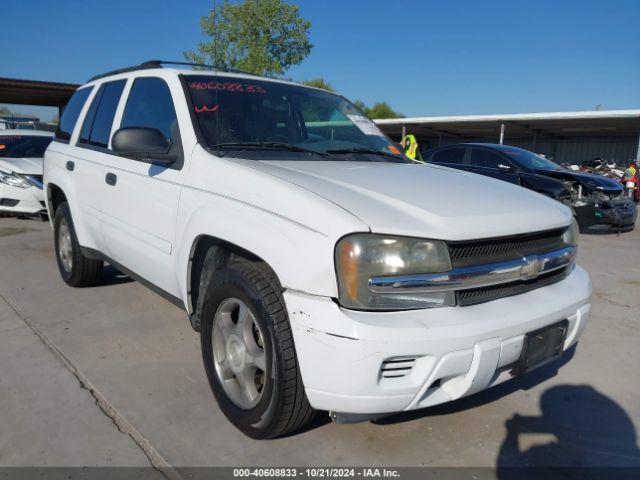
[{"x": 112, "y": 375}]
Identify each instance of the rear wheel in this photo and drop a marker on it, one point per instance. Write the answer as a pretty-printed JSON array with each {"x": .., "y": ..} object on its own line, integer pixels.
[
  {"x": 75, "y": 269},
  {"x": 248, "y": 352}
]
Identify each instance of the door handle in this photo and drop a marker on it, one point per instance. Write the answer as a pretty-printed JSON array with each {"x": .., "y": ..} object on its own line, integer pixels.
[
  {"x": 70, "y": 166},
  {"x": 110, "y": 178}
]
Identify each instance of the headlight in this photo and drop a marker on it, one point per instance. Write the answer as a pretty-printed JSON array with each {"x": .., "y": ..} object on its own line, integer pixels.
[
  {"x": 361, "y": 257},
  {"x": 572, "y": 234},
  {"x": 13, "y": 179}
]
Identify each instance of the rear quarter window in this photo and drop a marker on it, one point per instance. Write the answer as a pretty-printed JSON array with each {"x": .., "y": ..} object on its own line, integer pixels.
[{"x": 71, "y": 113}]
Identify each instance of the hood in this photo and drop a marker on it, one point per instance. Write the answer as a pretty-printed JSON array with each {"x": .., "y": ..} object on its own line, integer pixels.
[
  {"x": 422, "y": 200},
  {"x": 29, "y": 166},
  {"x": 588, "y": 180}
]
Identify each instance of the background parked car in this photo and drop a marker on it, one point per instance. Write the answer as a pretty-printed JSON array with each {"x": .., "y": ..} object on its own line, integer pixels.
[
  {"x": 21, "y": 155},
  {"x": 598, "y": 202}
]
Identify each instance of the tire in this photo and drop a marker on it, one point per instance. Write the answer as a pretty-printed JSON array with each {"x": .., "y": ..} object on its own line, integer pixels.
[
  {"x": 75, "y": 269},
  {"x": 274, "y": 403}
]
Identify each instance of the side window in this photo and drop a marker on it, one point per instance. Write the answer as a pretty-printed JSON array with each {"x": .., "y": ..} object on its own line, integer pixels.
[
  {"x": 450, "y": 155},
  {"x": 486, "y": 158},
  {"x": 85, "y": 133},
  {"x": 71, "y": 113},
  {"x": 150, "y": 105},
  {"x": 97, "y": 125}
]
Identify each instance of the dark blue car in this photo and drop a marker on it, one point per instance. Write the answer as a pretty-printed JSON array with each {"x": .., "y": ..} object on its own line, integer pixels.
[{"x": 597, "y": 201}]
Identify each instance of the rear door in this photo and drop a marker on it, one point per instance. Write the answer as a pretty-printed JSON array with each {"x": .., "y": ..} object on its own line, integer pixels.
[
  {"x": 92, "y": 153},
  {"x": 141, "y": 201},
  {"x": 492, "y": 164}
]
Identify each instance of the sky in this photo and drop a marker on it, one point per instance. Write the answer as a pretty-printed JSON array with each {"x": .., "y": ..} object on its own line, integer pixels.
[{"x": 423, "y": 57}]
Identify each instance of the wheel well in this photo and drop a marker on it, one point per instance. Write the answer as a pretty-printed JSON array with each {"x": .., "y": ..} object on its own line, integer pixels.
[
  {"x": 56, "y": 197},
  {"x": 224, "y": 252}
]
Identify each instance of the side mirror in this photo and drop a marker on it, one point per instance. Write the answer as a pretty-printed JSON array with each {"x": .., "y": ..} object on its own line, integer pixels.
[{"x": 141, "y": 142}]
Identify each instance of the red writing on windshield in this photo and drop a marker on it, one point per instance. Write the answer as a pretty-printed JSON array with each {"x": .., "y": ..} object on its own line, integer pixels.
[
  {"x": 227, "y": 87},
  {"x": 205, "y": 108}
]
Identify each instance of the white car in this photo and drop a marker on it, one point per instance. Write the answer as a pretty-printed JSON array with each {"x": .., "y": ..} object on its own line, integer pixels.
[
  {"x": 21, "y": 155},
  {"x": 323, "y": 269}
]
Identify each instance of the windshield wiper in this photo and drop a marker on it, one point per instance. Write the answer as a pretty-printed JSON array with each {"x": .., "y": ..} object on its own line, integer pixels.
[
  {"x": 264, "y": 145},
  {"x": 366, "y": 150}
]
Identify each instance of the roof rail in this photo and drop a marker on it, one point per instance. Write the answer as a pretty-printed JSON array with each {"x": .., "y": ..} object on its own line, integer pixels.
[
  {"x": 142, "y": 66},
  {"x": 159, "y": 63}
]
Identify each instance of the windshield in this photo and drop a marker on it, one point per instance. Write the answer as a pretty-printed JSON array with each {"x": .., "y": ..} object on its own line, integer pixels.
[
  {"x": 247, "y": 115},
  {"x": 23, "y": 146},
  {"x": 531, "y": 160}
]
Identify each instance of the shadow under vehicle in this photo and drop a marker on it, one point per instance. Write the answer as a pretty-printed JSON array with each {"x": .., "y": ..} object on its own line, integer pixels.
[{"x": 598, "y": 202}]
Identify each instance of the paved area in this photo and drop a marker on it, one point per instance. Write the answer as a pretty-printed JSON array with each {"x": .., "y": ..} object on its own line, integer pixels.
[
  {"x": 141, "y": 361},
  {"x": 48, "y": 417}
]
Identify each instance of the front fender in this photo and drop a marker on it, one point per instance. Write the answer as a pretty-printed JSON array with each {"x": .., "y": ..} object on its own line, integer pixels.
[{"x": 300, "y": 256}]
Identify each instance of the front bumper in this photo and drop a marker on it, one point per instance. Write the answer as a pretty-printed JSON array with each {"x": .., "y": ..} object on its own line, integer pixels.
[
  {"x": 612, "y": 215},
  {"x": 347, "y": 357},
  {"x": 22, "y": 201}
]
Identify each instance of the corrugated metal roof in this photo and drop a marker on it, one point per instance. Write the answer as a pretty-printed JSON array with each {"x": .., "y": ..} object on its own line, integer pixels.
[{"x": 33, "y": 92}]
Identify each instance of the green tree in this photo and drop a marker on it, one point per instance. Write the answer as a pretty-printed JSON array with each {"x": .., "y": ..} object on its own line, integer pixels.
[
  {"x": 5, "y": 111},
  {"x": 319, "y": 83},
  {"x": 360, "y": 105},
  {"x": 379, "y": 110},
  {"x": 383, "y": 110},
  {"x": 264, "y": 37}
]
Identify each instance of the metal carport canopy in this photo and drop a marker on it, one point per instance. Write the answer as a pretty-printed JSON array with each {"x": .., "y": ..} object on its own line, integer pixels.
[
  {"x": 555, "y": 124},
  {"x": 34, "y": 92}
]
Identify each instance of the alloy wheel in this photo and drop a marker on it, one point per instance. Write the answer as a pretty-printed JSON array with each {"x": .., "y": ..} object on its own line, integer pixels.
[{"x": 238, "y": 353}]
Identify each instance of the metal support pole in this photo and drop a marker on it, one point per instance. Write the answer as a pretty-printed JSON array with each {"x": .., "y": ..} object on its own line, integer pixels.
[
  {"x": 501, "y": 133},
  {"x": 439, "y": 139},
  {"x": 404, "y": 132},
  {"x": 535, "y": 141},
  {"x": 638, "y": 152}
]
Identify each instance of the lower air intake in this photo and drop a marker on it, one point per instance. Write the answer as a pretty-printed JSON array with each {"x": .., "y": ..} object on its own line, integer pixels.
[{"x": 397, "y": 367}]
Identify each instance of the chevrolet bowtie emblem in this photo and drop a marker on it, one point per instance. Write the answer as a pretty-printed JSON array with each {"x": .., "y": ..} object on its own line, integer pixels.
[{"x": 530, "y": 267}]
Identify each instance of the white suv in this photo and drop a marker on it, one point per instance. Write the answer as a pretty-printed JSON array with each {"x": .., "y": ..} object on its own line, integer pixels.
[{"x": 322, "y": 268}]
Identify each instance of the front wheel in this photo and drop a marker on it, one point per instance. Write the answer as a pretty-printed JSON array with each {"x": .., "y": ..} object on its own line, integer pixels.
[
  {"x": 75, "y": 269},
  {"x": 248, "y": 352}
]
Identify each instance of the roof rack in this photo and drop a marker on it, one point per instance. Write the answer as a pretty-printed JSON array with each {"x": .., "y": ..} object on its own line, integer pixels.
[{"x": 159, "y": 63}]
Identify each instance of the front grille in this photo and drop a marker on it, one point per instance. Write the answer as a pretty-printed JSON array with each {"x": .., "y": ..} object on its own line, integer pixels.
[
  {"x": 469, "y": 253},
  {"x": 486, "y": 294}
]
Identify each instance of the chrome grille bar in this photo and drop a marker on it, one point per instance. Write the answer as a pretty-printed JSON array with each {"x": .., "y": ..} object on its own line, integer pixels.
[{"x": 463, "y": 278}]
